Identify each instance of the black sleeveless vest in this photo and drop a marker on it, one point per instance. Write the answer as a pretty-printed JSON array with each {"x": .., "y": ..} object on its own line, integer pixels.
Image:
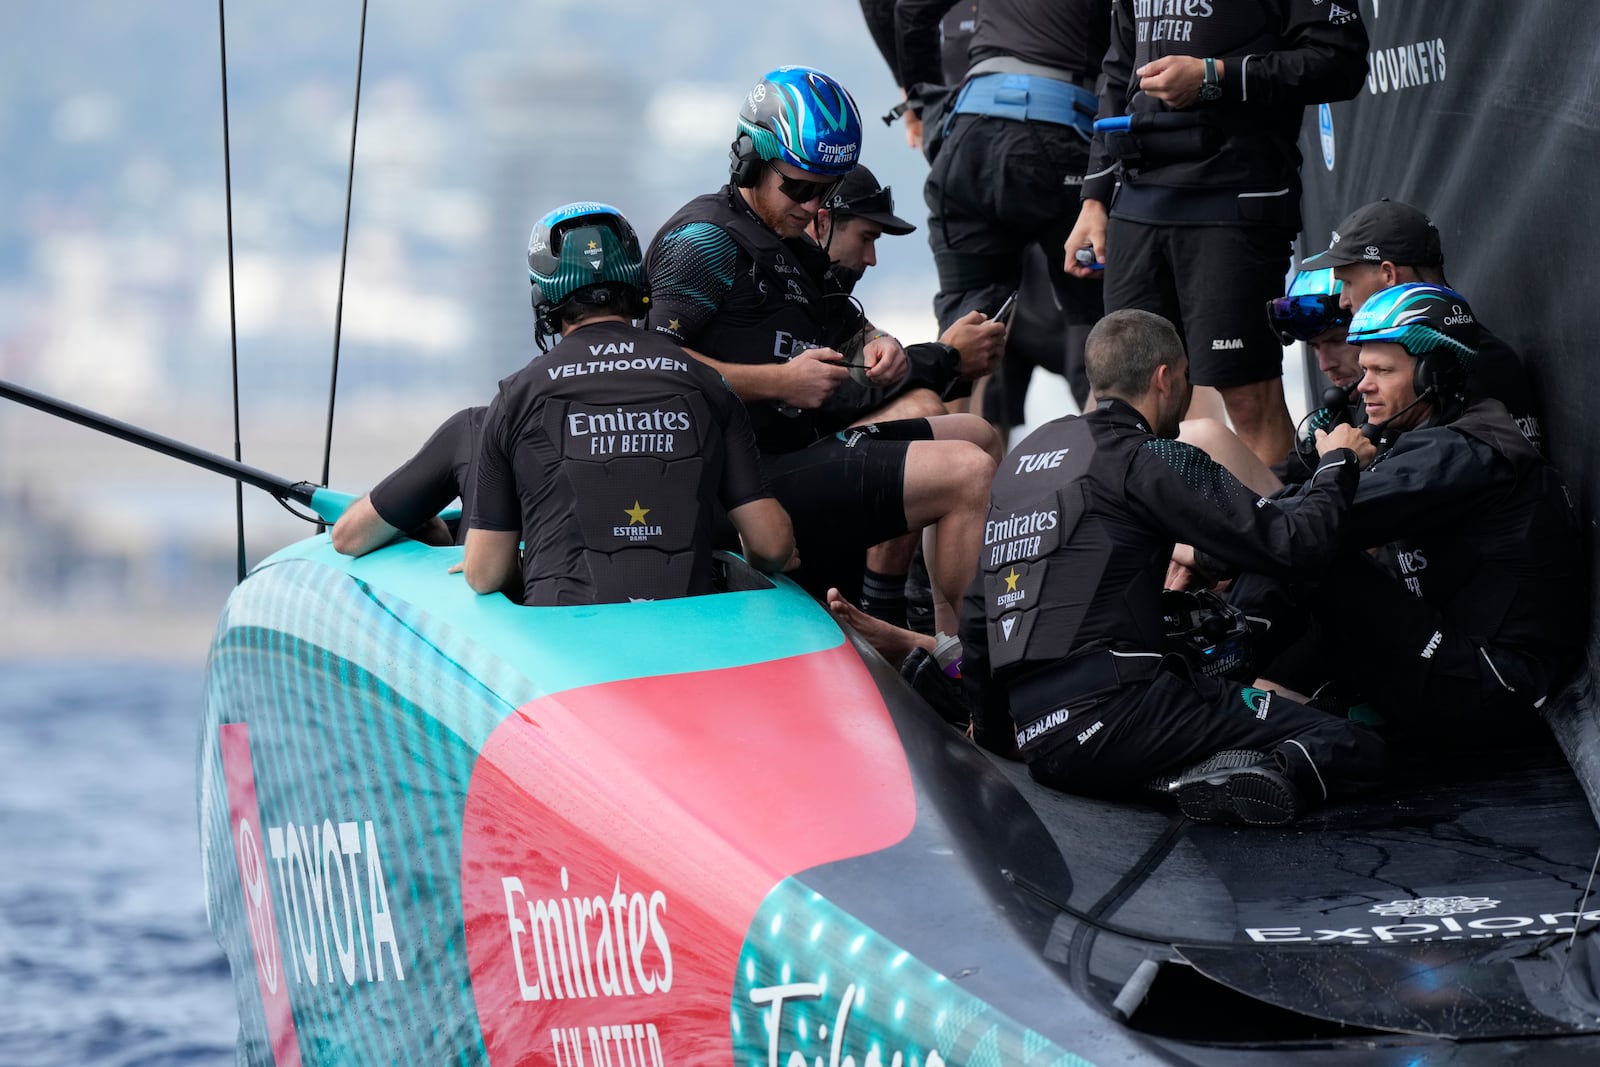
[{"x": 783, "y": 301}]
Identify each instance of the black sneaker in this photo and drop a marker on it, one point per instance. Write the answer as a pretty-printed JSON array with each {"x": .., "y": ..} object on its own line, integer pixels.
[
  {"x": 1227, "y": 759},
  {"x": 1256, "y": 795}
]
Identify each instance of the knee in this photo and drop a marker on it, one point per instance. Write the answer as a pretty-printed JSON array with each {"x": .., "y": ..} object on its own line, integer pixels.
[
  {"x": 1206, "y": 434},
  {"x": 973, "y": 429},
  {"x": 971, "y": 470},
  {"x": 919, "y": 403},
  {"x": 1253, "y": 403}
]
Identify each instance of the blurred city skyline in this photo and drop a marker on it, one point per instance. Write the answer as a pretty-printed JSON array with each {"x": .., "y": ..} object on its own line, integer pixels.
[{"x": 475, "y": 118}]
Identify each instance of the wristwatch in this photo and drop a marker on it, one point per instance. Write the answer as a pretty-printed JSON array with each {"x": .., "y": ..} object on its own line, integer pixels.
[{"x": 1211, "y": 88}]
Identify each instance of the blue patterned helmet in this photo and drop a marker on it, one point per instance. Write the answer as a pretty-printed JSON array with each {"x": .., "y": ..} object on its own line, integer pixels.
[
  {"x": 581, "y": 247},
  {"x": 1420, "y": 318},
  {"x": 1310, "y": 308},
  {"x": 1432, "y": 323},
  {"x": 805, "y": 118}
]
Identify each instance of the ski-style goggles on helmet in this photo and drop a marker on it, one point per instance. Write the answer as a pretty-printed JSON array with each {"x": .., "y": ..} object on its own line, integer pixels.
[{"x": 1303, "y": 317}]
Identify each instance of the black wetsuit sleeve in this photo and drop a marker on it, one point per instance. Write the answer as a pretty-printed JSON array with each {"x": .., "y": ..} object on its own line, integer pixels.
[
  {"x": 1319, "y": 60},
  {"x": 1193, "y": 499},
  {"x": 497, "y": 506},
  {"x": 743, "y": 479},
  {"x": 1428, "y": 481},
  {"x": 916, "y": 24},
  {"x": 691, "y": 274},
  {"x": 1115, "y": 72},
  {"x": 425, "y": 484}
]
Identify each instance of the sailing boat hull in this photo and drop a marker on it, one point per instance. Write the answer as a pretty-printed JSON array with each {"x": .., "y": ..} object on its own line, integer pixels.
[{"x": 441, "y": 828}]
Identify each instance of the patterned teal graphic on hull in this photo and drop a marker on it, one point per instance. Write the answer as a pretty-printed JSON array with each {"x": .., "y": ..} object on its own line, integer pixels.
[
  {"x": 816, "y": 985},
  {"x": 360, "y": 793}
]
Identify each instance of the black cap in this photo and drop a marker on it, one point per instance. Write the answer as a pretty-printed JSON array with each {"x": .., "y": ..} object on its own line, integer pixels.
[
  {"x": 859, "y": 194},
  {"x": 1382, "y": 230}
]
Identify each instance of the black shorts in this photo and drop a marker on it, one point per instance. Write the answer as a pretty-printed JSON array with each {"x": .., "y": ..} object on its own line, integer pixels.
[
  {"x": 1213, "y": 282},
  {"x": 845, "y": 493}
]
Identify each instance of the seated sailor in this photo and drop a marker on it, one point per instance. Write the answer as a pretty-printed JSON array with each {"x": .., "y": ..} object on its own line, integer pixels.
[{"x": 607, "y": 455}]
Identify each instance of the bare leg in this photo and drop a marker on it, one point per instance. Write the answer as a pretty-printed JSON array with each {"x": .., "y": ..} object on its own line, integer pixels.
[
  {"x": 894, "y": 557},
  {"x": 891, "y": 642},
  {"x": 947, "y": 485},
  {"x": 1206, "y": 403},
  {"x": 1260, "y": 417},
  {"x": 1224, "y": 446}
]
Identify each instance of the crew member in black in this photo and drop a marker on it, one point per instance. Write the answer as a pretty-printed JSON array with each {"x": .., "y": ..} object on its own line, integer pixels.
[
  {"x": 1208, "y": 200},
  {"x": 606, "y": 457},
  {"x": 1010, "y": 153},
  {"x": 1472, "y": 611},
  {"x": 409, "y": 500},
  {"x": 848, "y": 227},
  {"x": 1065, "y": 651},
  {"x": 1387, "y": 243},
  {"x": 742, "y": 287}
]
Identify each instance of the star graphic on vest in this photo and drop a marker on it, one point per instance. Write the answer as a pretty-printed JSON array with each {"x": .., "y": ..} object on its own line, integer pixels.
[
  {"x": 593, "y": 245},
  {"x": 1011, "y": 580},
  {"x": 636, "y": 514},
  {"x": 674, "y": 325}
]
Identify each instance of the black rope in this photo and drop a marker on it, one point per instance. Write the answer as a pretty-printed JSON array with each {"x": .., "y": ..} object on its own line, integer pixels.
[
  {"x": 233, "y": 323},
  {"x": 344, "y": 252}
]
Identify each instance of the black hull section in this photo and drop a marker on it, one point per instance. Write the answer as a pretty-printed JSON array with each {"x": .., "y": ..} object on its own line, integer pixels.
[{"x": 1428, "y": 923}]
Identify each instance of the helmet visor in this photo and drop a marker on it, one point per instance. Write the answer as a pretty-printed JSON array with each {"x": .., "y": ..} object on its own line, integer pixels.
[{"x": 1301, "y": 318}]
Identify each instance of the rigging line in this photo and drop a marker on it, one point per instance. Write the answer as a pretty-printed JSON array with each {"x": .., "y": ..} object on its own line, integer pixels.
[
  {"x": 1577, "y": 923},
  {"x": 344, "y": 251},
  {"x": 233, "y": 318}
]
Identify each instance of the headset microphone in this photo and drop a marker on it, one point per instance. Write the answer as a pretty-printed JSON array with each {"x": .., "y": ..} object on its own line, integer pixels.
[{"x": 1336, "y": 402}]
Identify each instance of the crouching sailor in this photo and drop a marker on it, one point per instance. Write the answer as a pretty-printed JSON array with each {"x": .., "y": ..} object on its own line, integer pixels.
[
  {"x": 607, "y": 456},
  {"x": 1067, "y": 658}
]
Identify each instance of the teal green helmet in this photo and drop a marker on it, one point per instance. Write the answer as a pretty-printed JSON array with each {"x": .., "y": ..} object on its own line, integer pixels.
[
  {"x": 1433, "y": 323},
  {"x": 588, "y": 252},
  {"x": 1420, "y": 318}
]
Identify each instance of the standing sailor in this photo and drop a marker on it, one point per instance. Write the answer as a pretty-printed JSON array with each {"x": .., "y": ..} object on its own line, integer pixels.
[{"x": 1193, "y": 206}]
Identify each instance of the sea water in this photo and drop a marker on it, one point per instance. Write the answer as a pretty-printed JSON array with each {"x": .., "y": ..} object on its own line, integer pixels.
[{"x": 105, "y": 956}]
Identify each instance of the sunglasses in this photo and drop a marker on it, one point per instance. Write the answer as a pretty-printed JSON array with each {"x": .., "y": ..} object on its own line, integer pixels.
[
  {"x": 803, "y": 190},
  {"x": 877, "y": 202},
  {"x": 1300, "y": 318}
]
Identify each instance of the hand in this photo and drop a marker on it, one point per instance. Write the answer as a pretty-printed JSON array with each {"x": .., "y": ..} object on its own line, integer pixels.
[
  {"x": 886, "y": 360},
  {"x": 1345, "y": 435},
  {"x": 811, "y": 377},
  {"x": 1088, "y": 232},
  {"x": 1174, "y": 80},
  {"x": 913, "y": 123},
  {"x": 979, "y": 341},
  {"x": 1181, "y": 568}
]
